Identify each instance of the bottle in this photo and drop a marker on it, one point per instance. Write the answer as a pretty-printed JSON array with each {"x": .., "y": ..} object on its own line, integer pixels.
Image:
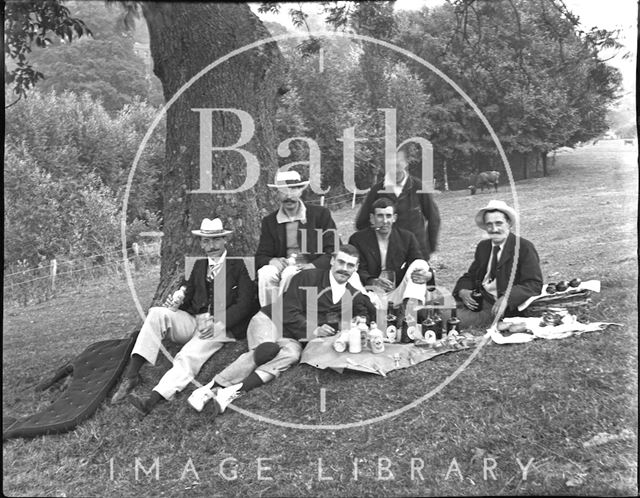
[
  {"x": 437, "y": 324},
  {"x": 428, "y": 329},
  {"x": 355, "y": 341},
  {"x": 453, "y": 323},
  {"x": 476, "y": 295},
  {"x": 391, "y": 328},
  {"x": 376, "y": 340},
  {"x": 364, "y": 331},
  {"x": 178, "y": 298},
  {"x": 340, "y": 344},
  {"x": 413, "y": 329}
]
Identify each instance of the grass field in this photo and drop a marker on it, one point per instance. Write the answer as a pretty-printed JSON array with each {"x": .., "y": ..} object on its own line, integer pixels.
[{"x": 542, "y": 400}]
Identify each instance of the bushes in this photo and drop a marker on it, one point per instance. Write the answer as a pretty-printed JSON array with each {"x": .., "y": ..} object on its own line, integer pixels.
[{"x": 66, "y": 168}]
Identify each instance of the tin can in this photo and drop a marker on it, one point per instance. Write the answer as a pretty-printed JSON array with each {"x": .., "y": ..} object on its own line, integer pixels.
[
  {"x": 375, "y": 341},
  {"x": 340, "y": 344}
]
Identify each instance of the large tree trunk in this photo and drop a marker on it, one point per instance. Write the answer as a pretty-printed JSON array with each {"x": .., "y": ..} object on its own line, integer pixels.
[
  {"x": 545, "y": 172},
  {"x": 185, "y": 38}
]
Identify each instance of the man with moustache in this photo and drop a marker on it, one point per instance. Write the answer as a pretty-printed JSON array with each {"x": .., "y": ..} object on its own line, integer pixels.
[
  {"x": 491, "y": 269},
  {"x": 295, "y": 237},
  {"x": 219, "y": 301},
  {"x": 384, "y": 247},
  {"x": 279, "y": 328},
  {"x": 416, "y": 212}
]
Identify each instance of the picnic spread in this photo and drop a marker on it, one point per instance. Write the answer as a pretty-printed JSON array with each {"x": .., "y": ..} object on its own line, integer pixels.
[{"x": 405, "y": 344}]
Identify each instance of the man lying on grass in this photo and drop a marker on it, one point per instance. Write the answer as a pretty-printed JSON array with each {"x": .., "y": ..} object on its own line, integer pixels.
[
  {"x": 480, "y": 292},
  {"x": 215, "y": 282},
  {"x": 272, "y": 352}
]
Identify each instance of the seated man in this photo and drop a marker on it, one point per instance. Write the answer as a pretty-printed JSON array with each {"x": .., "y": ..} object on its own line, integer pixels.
[
  {"x": 385, "y": 248},
  {"x": 254, "y": 368},
  {"x": 491, "y": 269},
  {"x": 296, "y": 236},
  {"x": 197, "y": 323}
]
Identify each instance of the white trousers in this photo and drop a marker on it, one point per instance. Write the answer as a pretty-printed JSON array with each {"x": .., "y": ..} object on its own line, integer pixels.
[
  {"x": 261, "y": 329},
  {"x": 179, "y": 327}
]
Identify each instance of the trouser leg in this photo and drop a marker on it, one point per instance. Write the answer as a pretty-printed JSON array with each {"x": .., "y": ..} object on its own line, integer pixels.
[
  {"x": 268, "y": 284},
  {"x": 186, "y": 365},
  {"x": 178, "y": 326}
]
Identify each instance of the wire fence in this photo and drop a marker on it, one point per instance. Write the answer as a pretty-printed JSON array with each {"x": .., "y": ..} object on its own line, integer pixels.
[{"x": 28, "y": 286}]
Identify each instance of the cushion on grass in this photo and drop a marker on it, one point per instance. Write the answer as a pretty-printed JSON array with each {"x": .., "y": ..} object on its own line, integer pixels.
[{"x": 94, "y": 373}]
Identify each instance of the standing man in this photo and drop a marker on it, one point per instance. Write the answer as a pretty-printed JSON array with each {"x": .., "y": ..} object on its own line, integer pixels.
[
  {"x": 219, "y": 301},
  {"x": 416, "y": 212},
  {"x": 384, "y": 247},
  {"x": 491, "y": 269},
  {"x": 271, "y": 352},
  {"x": 294, "y": 237}
]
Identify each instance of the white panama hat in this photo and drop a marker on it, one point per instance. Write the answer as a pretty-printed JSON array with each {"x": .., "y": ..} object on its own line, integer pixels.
[
  {"x": 495, "y": 205},
  {"x": 211, "y": 228},
  {"x": 288, "y": 179}
]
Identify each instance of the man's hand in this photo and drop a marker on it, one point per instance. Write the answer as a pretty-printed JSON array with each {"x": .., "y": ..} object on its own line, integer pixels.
[
  {"x": 496, "y": 306},
  {"x": 168, "y": 303},
  {"x": 216, "y": 328},
  {"x": 383, "y": 283},
  {"x": 279, "y": 263},
  {"x": 467, "y": 300},
  {"x": 324, "y": 331},
  {"x": 421, "y": 276}
]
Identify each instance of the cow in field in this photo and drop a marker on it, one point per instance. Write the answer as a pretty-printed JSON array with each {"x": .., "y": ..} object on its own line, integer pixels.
[
  {"x": 485, "y": 179},
  {"x": 628, "y": 141}
]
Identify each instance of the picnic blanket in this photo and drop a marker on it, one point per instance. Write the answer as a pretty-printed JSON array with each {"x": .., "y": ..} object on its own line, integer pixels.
[
  {"x": 568, "y": 327},
  {"x": 94, "y": 373},
  {"x": 319, "y": 353},
  {"x": 572, "y": 296}
]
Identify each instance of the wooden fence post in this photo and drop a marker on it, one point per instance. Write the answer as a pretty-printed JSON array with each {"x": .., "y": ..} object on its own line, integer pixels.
[{"x": 54, "y": 272}]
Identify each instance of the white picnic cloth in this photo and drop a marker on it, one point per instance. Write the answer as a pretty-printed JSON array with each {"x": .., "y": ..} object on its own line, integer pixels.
[
  {"x": 569, "y": 326},
  {"x": 592, "y": 285}
]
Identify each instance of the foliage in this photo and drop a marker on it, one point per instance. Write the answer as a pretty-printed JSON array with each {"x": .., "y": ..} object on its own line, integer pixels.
[
  {"x": 66, "y": 169},
  {"x": 33, "y": 21}
]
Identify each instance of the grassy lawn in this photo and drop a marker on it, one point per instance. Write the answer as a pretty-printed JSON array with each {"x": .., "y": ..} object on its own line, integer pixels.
[{"x": 542, "y": 400}]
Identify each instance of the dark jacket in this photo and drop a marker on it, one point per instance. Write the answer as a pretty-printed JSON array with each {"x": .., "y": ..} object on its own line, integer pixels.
[
  {"x": 240, "y": 299},
  {"x": 528, "y": 277},
  {"x": 295, "y": 312},
  {"x": 402, "y": 251},
  {"x": 414, "y": 211},
  {"x": 273, "y": 238}
]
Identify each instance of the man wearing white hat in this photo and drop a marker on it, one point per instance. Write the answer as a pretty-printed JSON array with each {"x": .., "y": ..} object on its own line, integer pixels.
[
  {"x": 218, "y": 304},
  {"x": 491, "y": 269},
  {"x": 294, "y": 237}
]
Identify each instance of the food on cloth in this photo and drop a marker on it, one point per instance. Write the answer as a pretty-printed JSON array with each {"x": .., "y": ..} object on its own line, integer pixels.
[
  {"x": 551, "y": 289},
  {"x": 562, "y": 286},
  {"x": 575, "y": 282}
]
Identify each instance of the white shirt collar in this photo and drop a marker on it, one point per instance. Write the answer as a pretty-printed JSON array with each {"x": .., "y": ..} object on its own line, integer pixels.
[
  {"x": 390, "y": 183},
  {"x": 219, "y": 260},
  {"x": 300, "y": 215},
  {"x": 337, "y": 290}
]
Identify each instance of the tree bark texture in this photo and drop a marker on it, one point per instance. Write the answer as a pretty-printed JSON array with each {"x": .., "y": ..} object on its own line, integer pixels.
[{"x": 185, "y": 38}]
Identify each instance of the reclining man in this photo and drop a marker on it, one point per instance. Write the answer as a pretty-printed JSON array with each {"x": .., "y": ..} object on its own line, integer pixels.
[
  {"x": 218, "y": 304},
  {"x": 491, "y": 269},
  {"x": 294, "y": 237},
  {"x": 274, "y": 348},
  {"x": 385, "y": 247}
]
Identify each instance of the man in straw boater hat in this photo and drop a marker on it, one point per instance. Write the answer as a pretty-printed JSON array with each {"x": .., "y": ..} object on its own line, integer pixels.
[
  {"x": 219, "y": 301},
  {"x": 491, "y": 269},
  {"x": 296, "y": 236}
]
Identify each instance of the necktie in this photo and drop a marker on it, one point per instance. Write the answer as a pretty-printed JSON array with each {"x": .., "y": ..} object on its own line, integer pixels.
[{"x": 494, "y": 263}]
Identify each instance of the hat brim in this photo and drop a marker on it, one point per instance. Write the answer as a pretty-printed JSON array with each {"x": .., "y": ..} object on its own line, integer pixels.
[
  {"x": 288, "y": 185},
  {"x": 511, "y": 213},
  {"x": 210, "y": 235}
]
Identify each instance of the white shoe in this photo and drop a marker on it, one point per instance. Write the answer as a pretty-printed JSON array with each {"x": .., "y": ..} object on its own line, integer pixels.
[
  {"x": 200, "y": 397},
  {"x": 226, "y": 395}
]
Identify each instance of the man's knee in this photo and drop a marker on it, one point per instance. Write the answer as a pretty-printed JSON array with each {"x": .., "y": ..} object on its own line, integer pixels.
[
  {"x": 268, "y": 273},
  {"x": 265, "y": 352},
  {"x": 261, "y": 329}
]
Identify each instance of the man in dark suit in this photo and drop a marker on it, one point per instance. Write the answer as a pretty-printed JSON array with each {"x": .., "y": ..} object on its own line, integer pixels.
[
  {"x": 385, "y": 248},
  {"x": 218, "y": 304},
  {"x": 416, "y": 212},
  {"x": 281, "y": 326},
  {"x": 491, "y": 270},
  {"x": 295, "y": 237}
]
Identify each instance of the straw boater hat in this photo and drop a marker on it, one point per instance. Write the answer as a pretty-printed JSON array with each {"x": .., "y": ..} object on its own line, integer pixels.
[
  {"x": 211, "y": 228},
  {"x": 496, "y": 206},
  {"x": 288, "y": 179}
]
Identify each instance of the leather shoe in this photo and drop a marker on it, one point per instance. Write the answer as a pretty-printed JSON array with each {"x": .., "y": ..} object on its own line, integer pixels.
[
  {"x": 126, "y": 386},
  {"x": 139, "y": 404}
]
